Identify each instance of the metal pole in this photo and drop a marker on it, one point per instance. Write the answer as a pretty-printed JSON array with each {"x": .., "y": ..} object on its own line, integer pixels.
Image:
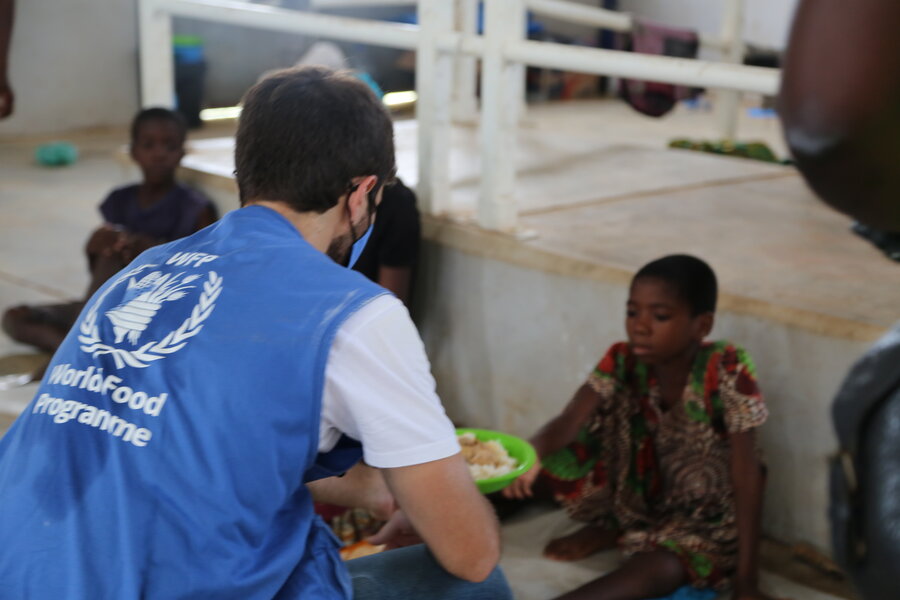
[
  {"x": 598, "y": 17},
  {"x": 499, "y": 101},
  {"x": 157, "y": 69},
  {"x": 358, "y": 3},
  {"x": 244, "y": 14},
  {"x": 465, "y": 101},
  {"x": 728, "y": 102},
  {"x": 680, "y": 71},
  {"x": 434, "y": 82}
]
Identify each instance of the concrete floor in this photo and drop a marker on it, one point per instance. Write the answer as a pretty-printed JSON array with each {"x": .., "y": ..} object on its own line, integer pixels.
[{"x": 41, "y": 260}]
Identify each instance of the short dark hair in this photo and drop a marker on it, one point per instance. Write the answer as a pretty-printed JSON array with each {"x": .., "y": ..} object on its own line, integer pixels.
[
  {"x": 158, "y": 114},
  {"x": 692, "y": 279},
  {"x": 305, "y": 133}
]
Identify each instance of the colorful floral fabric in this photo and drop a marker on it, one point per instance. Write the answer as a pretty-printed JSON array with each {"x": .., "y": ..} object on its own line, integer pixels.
[{"x": 662, "y": 476}]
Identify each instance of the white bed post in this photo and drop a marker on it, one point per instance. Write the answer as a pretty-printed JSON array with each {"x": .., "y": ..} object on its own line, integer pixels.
[
  {"x": 465, "y": 101},
  {"x": 157, "y": 72},
  {"x": 728, "y": 102},
  {"x": 434, "y": 83},
  {"x": 501, "y": 91}
]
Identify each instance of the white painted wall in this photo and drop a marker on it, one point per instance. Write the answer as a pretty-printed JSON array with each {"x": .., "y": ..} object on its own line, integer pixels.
[
  {"x": 509, "y": 346},
  {"x": 766, "y": 22},
  {"x": 73, "y": 64}
]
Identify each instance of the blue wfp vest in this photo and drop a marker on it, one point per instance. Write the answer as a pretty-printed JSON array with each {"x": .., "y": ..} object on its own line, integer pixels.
[{"x": 165, "y": 452}]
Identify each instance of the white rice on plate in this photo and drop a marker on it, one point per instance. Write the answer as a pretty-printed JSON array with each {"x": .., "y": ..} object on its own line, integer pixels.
[{"x": 485, "y": 459}]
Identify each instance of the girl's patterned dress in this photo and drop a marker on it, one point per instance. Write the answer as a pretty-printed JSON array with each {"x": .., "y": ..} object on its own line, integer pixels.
[{"x": 662, "y": 477}]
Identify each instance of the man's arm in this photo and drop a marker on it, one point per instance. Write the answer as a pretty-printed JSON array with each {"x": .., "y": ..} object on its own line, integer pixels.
[
  {"x": 360, "y": 487},
  {"x": 6, "y": 24},
  {"x": 439, "y": 500},
  {"x": 839, "y": 105},
  {"x": 456, "y": 522},
  {"x": 379, "y": 390}
]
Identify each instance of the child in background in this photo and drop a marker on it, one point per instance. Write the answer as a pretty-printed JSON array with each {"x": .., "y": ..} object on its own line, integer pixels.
[
  {"x": 656, "y": 452},
  {"x": 136, "y": 217}
]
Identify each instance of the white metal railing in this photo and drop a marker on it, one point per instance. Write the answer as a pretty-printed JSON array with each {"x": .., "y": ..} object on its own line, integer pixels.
[
  {"x": 584, "y": 14},
  {"x": 447, "y": 46}
]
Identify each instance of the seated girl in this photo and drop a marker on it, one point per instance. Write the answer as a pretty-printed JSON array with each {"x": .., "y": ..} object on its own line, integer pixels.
[
  {"x": 656, "y": 452},
  {"x": 136, "y": 217}
]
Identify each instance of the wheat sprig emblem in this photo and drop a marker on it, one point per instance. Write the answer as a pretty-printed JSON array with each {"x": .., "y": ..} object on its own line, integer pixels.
[{"x": 130, "y": 319}]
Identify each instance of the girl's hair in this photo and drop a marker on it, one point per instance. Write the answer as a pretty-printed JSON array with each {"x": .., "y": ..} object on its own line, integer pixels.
[
  {"x": 691, "y": 278},
  {"x": 158, "y": 114}
]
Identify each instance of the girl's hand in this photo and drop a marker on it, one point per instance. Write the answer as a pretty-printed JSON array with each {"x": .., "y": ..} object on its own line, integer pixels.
[{"x": 521, "y": 487}]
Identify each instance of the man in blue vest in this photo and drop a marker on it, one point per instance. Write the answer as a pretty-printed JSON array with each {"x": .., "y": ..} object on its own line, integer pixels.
[{"x": 210, "y": 389}]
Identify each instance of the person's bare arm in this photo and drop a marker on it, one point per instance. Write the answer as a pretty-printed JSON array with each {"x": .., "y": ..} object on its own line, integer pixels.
[
  {"x": 360, "y": 487},
  {"x": 207, "y": 217},
  {"x": 558, "y": 433},
  {"x": 396, "y": 280},
  {"x": 456, "y": 522},
  {"x": 748, "y": 481},
  {"x": 839, "y": 105},
  {"x": 6, "y": 23}
]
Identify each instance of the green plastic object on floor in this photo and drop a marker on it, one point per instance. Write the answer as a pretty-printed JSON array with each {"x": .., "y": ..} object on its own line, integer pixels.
[
  {"x": 751, "y": 150},
  {"x": 56, "y": 154}
]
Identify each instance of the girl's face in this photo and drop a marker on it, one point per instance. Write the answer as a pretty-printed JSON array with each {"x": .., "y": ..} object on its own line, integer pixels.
[
  {"x": 659, "y": 323},
  {"x": 158, "y": 149}
]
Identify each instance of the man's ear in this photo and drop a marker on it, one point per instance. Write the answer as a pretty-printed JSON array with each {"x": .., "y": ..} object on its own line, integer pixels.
[
  {"x": 358, "y": 201},
  {"x": 703, "y": 324}
]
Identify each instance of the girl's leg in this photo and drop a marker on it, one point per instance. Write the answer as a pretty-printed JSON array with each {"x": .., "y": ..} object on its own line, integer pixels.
[
  {"x": 35, "y": 326},
  {"x": 102, "y": 268},
  {"x": 645, "y": 575},
  {"x": 588, "y": 540}
]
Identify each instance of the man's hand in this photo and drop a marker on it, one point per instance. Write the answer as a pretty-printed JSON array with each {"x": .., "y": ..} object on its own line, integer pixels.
[
  {"x": 360, "y": 487},
  {"x": 396, "y": 533},
  {"x": 522, "y": 487}
]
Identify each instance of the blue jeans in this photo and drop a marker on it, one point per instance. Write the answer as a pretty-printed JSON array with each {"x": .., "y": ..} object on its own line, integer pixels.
[{"x": 411, "y": 573}]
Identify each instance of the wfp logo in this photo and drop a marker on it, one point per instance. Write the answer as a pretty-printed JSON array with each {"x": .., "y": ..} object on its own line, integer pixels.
[{"x": 144, "y": 297}]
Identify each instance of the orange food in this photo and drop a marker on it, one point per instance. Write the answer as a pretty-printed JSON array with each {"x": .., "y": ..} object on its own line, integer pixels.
[{"x": 360, "y": 549}]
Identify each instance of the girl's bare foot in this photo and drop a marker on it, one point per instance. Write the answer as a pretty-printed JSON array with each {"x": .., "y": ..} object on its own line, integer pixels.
[{"x": 584, "y": 542}]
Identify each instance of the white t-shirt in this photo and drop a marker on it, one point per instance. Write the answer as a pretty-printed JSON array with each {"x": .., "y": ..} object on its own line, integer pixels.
[{"x": 379, "y": 390}]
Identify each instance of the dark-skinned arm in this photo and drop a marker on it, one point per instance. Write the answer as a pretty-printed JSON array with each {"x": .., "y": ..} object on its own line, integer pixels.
[
  {"x": 397, "y": 280},
  {"x": 558, "y": 433},
  {"x": 748, "y": 480},
  {"x": 840, "y": 105},
  {"x": 207, "y": 217},
  {"x": 6, "y": 23}
]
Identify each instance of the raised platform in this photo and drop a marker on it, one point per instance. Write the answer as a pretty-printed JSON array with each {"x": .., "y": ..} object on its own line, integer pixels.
[{"x": 592, "y": 207}]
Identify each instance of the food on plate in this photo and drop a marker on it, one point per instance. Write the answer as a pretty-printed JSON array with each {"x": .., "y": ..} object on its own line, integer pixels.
[{"x": 486, "y": 459}]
